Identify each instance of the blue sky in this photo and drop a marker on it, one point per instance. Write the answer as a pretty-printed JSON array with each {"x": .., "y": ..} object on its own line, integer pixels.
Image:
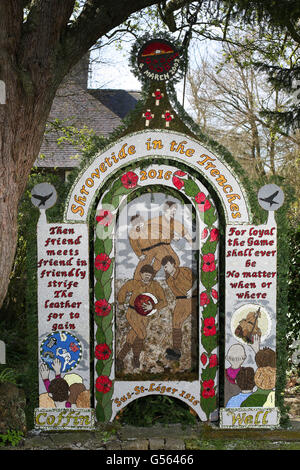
[{"x": 111, "y": 70}]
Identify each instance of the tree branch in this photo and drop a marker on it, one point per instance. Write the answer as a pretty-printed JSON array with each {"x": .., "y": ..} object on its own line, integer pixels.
[
  {"x": 98, "y": 18},
  {"x": 294, "y": 34},
  {"x": 43, "y": 28}
]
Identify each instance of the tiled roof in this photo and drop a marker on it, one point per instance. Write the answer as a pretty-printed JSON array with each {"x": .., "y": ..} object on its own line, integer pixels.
[
  {"x": 119, "y": 102},
  {"x": 99, "y": 110}
]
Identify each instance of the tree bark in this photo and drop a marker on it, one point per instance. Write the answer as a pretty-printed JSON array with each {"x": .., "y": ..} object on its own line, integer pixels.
[{"x": 35, "y": 55}]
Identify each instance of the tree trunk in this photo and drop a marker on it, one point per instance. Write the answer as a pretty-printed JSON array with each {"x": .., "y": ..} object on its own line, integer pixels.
[
  {"x": 35, "y": 55},
  {"x": 30, "y": 85},
  {"x": 21, "y": 134}
]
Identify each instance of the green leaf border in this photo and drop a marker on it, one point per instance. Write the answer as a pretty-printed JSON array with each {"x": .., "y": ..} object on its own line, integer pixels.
[
  {"x": 103, "y": 290},
  {"x": 209, "y": 280}
]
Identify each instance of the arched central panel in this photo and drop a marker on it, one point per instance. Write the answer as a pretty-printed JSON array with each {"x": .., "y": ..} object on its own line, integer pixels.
[{"x": 156, "y": 291}]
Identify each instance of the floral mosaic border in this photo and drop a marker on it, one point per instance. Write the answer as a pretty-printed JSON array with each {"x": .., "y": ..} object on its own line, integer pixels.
[
  {"x": 209, "y": 291},
  {"x": 103, "y": 292},
  {"x": 104, "y": 307}
]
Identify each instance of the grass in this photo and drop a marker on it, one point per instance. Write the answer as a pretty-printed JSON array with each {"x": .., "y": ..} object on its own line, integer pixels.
[{"x": 240, "y": 444}]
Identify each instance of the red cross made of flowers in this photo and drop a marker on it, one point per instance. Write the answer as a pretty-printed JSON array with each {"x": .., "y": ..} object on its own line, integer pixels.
[
  {"x": 158, "y": 95},
  {"x": 168, "y": 116},
  {"x": 148, "y": 115}
]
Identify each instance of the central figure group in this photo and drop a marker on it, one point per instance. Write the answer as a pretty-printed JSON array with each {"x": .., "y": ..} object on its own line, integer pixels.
[{"x": 151, "y": 242}]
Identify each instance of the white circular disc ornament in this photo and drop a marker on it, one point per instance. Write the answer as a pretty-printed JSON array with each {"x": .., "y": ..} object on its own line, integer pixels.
[
  {"x": 43, "y": 196},
  {"x": 270, "y": 197}
]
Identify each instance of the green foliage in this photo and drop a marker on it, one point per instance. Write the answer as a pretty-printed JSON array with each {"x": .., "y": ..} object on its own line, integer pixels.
[
  {"x": 82, "y": 139},
  {"x": 191, "y": 188},
  {"x": 271, "y": 14},
  {"x": 270, "y": 32},
  {"x": 8, "y": 375},
  {"x": 293, "y": 315},
  {"x": 106, "y": 435},
  {"x": 152, "y": 409},
  {"x": 14, "y": 334},
  {"x": 283, "y": 266},
  {"x": 12, "y": 438}
]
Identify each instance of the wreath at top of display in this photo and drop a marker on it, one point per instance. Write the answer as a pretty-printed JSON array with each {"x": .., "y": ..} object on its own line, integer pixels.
[{"x": 158, "y": 59}]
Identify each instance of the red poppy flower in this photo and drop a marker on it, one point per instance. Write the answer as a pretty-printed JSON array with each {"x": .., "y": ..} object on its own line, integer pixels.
[
  {"x": 104, "y": 217},
  {"x": 129, "y": 180},
  {"x": 214, "y": 293},
  {"x": 168, "y": 116},
  {"x": 102, "y": 308},
  {"x": 209, "y": 326},
  {"x": 203, "y": 359},
  {"x": 102, "y": 352},
  {"x": 208, "y": 389},
  {"x": 178, "y": 183},
  {"x": 208, "y": 263},
  {"x": 103, "y": 384},
  {"x": 204, "y": 234},
  {"x": 203, "y": 203},
  {"x": 102, "y": 262},
  {"x": 204, "y": 299},
  {"x": 214, "y": 235},
  {"x": 213, "y": 360}
]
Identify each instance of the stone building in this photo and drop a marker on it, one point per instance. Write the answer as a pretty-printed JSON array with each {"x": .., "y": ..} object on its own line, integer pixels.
[{"x": 100, "y": 110}]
